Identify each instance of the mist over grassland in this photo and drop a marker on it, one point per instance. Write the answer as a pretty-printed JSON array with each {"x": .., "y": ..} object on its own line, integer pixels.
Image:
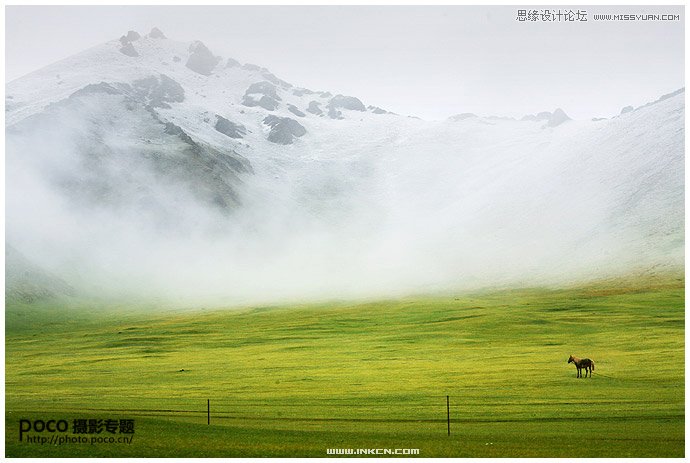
[{"x": 106, "y": 197}]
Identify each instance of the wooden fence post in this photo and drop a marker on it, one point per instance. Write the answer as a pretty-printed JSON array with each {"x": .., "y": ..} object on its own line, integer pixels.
[{"x": 448, "y": 410}]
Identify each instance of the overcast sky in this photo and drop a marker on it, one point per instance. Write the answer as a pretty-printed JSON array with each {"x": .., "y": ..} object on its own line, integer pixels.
[{"x": 426, "y": 61}]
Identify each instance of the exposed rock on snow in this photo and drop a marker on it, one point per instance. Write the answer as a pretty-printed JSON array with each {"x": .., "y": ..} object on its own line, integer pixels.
[
  {"x": 275, "y": 80},
  {"x": 377, "y": 110},
  {"x": 129, "y": 50},
  {"x": 158, "y": 91},
  {"x": 346, "y": 102},
  {"x": 263, "y": 94},
  {"x": 229, "y": 128},
  {"x": 201, "y": 59},
  {"x": 264, "y": 101},
  {"x": 264, "y": 88},
  {"x": 314, "y": 108},
  {"x": 103, "y": 87},
  {"x": 294, "y": 110},
  {"x": 283, "y": 129},
  {"x": 156, "y": 34},
  {"x": 301, "y": 91},
  {"x": 343, "y": 102},
  {"x": 334, "y": 113}
]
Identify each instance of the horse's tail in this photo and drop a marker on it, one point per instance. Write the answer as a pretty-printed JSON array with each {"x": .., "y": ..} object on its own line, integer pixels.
[{"x": 592, "y": 365}]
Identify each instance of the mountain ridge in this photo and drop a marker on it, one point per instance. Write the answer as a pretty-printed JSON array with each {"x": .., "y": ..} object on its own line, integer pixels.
[{"x": 120, "y": 168}]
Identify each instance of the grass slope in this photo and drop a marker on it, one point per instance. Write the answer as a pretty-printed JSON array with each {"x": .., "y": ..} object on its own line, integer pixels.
[{"x": 294, "y": 381}]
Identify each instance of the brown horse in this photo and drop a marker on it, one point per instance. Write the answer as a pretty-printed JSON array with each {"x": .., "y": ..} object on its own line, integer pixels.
[{"x": 587, "y": 364}]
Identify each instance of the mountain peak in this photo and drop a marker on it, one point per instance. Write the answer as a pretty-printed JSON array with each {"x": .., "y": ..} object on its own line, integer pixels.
[{"x": 158, "y": 141}]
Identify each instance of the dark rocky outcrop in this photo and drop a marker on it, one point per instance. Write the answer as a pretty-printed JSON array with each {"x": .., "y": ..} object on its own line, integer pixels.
[
  {"x": 263, "y": 94},
  {"x": 343, "y": 102},
  {"x": 283, "y": 129},
  {"x": 301, "y": 91},
  {"x": 158, "y": 91},
  {"x": 334, "y": 113},
  {"x": 263, "y": 101},
  {"x": 294, "y": 110},
  {"x": 103, "y": 87},
  {"x": 132, "y": 36},
  {"x": 347, "y": 102},
  {"x": 129, "y": 50},
  {"x": 314, "y": 108},
  {"x": 271, "y": 78},
  {"x": 201, "y": 60},
  {"x": 157, "y": 34},
  {"x": 377, "y": 110},
  {"x": 264, "y": 88},
  {"x": 229, "y": 128},
  {"x": 627, "y": 109}
]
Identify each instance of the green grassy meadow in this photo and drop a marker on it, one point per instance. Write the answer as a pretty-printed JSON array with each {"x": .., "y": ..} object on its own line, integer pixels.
[{"x": 295, "y": 381}]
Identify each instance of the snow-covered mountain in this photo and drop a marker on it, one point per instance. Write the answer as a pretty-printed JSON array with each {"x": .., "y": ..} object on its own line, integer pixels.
[{"x": 150, "y": 166}]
